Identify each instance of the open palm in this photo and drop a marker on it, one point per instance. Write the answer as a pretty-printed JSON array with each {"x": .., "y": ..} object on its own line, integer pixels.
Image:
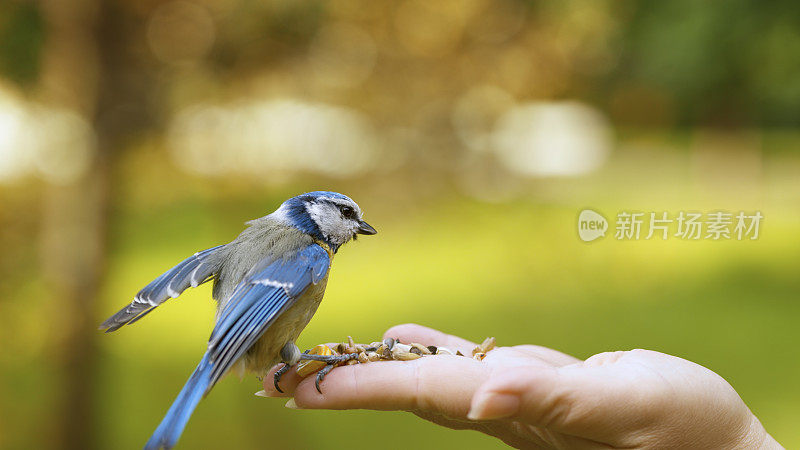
[{"x": 531, "y": 396}]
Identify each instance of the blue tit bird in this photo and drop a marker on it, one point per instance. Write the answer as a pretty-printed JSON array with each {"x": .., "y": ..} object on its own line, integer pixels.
[{"x": 268, "y": 283}]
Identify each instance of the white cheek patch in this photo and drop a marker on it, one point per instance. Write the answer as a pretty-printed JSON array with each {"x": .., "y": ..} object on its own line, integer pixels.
[
  {"x": 330, "y": 223},
  {"x": 321, "y": 215}
]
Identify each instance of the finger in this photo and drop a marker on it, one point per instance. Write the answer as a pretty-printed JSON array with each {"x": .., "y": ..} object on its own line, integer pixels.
[
  {"x": 288, "y": 383},
  {"x": 499, "y": 430},
  {"x": 549, "y": 355},
  {"x": 570, "y": 400},
  {"x": 444, "y": 384},
  {"x": 411, "y": 332}
]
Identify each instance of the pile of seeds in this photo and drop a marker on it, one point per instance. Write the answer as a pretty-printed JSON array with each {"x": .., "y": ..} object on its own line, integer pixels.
[{"x": 387, "y": 350}]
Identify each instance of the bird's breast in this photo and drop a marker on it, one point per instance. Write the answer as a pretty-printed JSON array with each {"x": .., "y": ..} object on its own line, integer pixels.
[{"x": 265, "y": 353}]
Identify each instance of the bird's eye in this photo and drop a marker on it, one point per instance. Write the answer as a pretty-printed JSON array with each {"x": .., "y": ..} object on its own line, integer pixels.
[{"x": 348, "y": 212}]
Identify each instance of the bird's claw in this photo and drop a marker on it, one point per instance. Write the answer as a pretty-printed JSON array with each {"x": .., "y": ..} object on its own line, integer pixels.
[
  {"x": 278, "y": 374},
  {"x": 330, "y": 361},
  {"x": 321, "y": 375}
]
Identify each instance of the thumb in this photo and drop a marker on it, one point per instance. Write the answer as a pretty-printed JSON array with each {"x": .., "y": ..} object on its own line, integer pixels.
[{"x": 562, "y": 399}]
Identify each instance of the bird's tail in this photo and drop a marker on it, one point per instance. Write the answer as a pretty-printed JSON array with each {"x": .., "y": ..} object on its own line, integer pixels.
[{"x": 171, "y": 427}]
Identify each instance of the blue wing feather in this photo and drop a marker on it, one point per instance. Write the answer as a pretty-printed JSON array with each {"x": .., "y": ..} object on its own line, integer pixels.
[
  {"x": 193, "y": 271},
  {"x": 233, "y": 343},
  {"x": 254, "y": 305},
  {"x": 258, "y": 301}
]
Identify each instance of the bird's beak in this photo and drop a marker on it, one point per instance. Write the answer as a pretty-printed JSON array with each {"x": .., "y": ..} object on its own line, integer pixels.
[{"x": 365, "y": 228}]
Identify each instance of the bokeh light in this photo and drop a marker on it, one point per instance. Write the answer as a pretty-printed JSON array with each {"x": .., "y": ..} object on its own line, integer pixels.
[
  {"x": 55, "y": 144},
  {"x": 273, "y": 139},
  {"x": 552, "y": 139}
]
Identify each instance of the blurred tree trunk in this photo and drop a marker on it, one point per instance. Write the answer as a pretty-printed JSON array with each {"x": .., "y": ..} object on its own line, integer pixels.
[
  {"x": 74, "y": 231},
  {"x": 86, "y": 68}
]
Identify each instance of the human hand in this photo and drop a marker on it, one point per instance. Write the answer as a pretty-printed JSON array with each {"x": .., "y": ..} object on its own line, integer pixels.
[{"x": 531, "y": 396}]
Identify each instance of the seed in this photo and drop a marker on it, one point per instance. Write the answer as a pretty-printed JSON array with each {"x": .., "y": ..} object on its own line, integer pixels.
[
  {"x": 362, "y": 357},
  {"x": 321, "y": 349},
  {"x": 399, "y": 349},
  {"x": 433, "y": 349},
  {"x": 407, "y": 356},
  {"x": 421, "y": 348},
  {"x": 306, "y": 367},
  {"x": 488, "y": 344}
]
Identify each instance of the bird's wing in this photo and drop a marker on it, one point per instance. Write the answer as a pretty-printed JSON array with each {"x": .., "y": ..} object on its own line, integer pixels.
[
  {"x": 258, "y": 300},
  {"x": 193, "y": 271}
]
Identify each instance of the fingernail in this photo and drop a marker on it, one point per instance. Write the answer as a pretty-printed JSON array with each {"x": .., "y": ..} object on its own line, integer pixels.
[
  {"x": 491, "y": 406},
  {"x": 291, "y": 404},
  {"x": 261, "y": 393}
]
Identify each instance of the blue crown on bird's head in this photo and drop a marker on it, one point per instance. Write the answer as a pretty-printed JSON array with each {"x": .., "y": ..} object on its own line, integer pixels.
[
  {"x": 322, "y": 194},
  {"x": 329, "y": 217}
]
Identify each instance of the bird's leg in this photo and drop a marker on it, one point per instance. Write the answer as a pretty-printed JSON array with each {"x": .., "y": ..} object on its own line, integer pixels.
[
  {"x": 290, "y": 355},
  {"x": 330, "y": 361}
]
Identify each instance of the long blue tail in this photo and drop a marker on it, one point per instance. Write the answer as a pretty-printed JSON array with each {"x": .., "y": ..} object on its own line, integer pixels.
[{"x": 171, "y": 427}]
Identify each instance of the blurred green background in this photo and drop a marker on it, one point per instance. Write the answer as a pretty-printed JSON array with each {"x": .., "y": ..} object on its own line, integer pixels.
[{"x": 472, "y": 133}]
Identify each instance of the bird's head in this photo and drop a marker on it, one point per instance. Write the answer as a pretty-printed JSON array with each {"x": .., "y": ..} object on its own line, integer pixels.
[{"x": 328, "y": 216}]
